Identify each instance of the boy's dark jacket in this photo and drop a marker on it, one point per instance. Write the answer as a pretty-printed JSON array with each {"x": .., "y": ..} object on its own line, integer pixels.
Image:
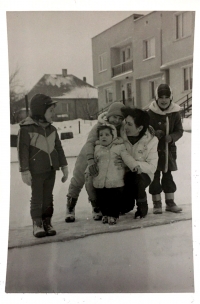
[
  {"x": 39, "y": 149},
  {"x": 158, "y": 122}
]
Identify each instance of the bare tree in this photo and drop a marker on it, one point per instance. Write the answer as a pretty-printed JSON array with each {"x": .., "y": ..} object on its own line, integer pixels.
[{"x": 17, "y": 92}]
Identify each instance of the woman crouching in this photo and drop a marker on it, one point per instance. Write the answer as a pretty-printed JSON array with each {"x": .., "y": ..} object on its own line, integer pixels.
[{"x": 141, "y": 144}]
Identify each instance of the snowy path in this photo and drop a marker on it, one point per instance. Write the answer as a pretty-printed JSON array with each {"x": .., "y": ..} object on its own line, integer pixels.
[{"x": 20, "y": 193}]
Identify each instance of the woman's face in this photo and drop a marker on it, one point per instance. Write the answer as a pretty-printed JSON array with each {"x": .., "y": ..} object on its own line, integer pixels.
[{"x": 130, "y": 127}]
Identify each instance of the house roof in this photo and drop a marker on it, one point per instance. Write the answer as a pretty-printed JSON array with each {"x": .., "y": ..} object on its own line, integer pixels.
[{"x": 63, "y": 87}]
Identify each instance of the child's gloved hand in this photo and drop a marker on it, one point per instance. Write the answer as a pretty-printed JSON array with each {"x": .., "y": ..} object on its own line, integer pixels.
[
  {"x": 26, "y": 177},
  {"x": 159, "y": 134},
  {"x": 142, "y": 209},
  {"x": 137, "y": 169},
  {"x": 93, "y": 169},
  {"x": 118, "y": 162},
  {"x": 168, "y": 139},
  {"x": 65, "y": 173}
]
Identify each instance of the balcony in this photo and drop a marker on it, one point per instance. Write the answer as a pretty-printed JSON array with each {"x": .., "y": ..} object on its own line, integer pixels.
[{"x": 122, "y": 68}]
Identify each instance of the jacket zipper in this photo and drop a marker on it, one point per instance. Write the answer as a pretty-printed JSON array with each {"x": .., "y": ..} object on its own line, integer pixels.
[{"x": 48, "y": 148}]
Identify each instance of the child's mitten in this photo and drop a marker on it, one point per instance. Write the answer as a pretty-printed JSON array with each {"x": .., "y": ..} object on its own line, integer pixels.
[
  {"x": 65, "y": 173},
  {"x": 93, "y": 169},
  {"x": 159, "y": 134},
  {"x": 168, "y": 139},
  {"x": 26, "y": 177}
]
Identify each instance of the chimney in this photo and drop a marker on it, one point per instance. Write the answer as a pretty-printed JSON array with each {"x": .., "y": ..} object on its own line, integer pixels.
[
  {"x": 64, "y": 72},
  {"x": 84, "y": 79}
]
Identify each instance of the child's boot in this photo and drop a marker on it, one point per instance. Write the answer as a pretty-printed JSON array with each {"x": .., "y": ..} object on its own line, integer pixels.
[
  {"x": 70, "y": 212},
  {"x": 157, "y": 204},
  {"x": 97, "y": 215},
  {"x": 170, "y": 204},
  {"x": 48, "y": 227},
  {"x": 38, "y": 229}
]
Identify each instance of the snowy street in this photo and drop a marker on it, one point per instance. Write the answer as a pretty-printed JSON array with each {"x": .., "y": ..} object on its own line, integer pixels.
[{"x": 156, "y": 258}]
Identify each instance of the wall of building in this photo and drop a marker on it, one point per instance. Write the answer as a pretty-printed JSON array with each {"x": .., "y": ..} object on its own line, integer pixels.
[
  {"x": 144, "y": 28},
  {"x": 103, "y": 42},
  {"x": 174, "y": 49},
  {"x": 76, "y": 108}
]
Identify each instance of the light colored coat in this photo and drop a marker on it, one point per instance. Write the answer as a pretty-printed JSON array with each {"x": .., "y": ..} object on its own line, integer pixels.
[
  {"x": 144, "y": 152},
  {"x": 110, "y": 174}
]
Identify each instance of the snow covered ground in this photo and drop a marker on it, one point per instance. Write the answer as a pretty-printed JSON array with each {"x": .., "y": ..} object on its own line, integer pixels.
[
  {"x": 20, "y": 193},
  {"x": 73, "y": 146}
]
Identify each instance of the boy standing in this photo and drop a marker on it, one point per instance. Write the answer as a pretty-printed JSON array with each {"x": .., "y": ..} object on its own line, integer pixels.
[
  {"x": 40, "y": 154},
  {"x": 164, "y": 115}
]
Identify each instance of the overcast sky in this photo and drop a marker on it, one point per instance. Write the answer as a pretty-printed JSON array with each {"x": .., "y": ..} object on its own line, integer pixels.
[{"x": 46, "y": 42}]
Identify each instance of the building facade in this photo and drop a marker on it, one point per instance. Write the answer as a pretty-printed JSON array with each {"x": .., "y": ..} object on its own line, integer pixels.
[{"x": 133, "y": 57}]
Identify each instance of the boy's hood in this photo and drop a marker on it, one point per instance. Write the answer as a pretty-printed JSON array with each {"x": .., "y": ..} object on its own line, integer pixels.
[
  {"x": 172, "y": 108},
  {"x": 102, "y": 119},
  {"x": 28, "y": 121}
]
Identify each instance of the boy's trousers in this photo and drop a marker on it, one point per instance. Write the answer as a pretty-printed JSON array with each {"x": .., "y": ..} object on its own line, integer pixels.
[
  {"x": 42, "y": 194},
  {"x": 165, "y": 184},
  {"x": 108, "y": 200}
]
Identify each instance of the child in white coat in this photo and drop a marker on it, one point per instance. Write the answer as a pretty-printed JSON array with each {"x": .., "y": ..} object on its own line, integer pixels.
[{"x": 109, "y": 182}]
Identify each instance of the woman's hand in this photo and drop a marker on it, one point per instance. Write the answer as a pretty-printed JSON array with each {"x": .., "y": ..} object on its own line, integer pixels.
[{"x": 137, "y": 169}]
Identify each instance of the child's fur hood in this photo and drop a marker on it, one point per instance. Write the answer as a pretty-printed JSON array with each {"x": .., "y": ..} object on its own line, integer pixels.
[
  {"x": 172, "y": 108},
  {"x": 116, "y": 140}
]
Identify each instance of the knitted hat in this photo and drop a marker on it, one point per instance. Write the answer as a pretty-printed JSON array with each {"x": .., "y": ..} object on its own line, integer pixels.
[
  {"x": 115, "y": 109},
  {"x": 164, "y": 90},
  {"x": 39, "y": 104}
]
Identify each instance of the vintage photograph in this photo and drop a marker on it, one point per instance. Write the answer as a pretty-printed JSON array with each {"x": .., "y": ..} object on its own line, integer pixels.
[{"x": 100, "y": 161}]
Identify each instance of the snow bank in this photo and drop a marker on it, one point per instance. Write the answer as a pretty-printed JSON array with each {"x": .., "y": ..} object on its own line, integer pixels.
[{"x": 73, "y": 146}]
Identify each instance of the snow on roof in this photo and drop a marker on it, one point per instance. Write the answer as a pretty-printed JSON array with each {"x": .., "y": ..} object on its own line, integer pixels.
[
  {"x": 58, "y": 80},
  {"x": 80, "y": 92}
]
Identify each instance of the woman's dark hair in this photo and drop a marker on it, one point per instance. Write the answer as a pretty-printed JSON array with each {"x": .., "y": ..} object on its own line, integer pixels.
[
  {"x": 104, "y": 127},
  {"x": 140, "y": 117}
]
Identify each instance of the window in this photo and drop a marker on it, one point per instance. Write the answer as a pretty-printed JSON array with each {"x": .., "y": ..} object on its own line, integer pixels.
[
  {"x": 129, "y": 91},
  {"x": 125, "y": 54},
  {"x": 187, "y": 78},
  {"x": 102, "y": 62},
  {"x": 152, "y": 89},
  {"x": 153, "y": 84},
  {"x": 64, "y": 107},
  {"x": 108, "y": 95},
  {"x": 149, "y": 48},
  {"x": 183, "y": 25}
]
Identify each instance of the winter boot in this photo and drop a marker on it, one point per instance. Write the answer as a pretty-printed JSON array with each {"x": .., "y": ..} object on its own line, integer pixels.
[
  {"x": 38, "y": 229},
  {"x": 112, "y": 220},
  {"x": 170, "y": 204},
  {"x": 70, "y": 212},
  {"x": 48, "y": 227},
  {"x": 97, "y": 215},
  {"x": 142, "y": 208},
  {"x": 105, "y": 219},
  {"x": 157, "y": 204}
]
